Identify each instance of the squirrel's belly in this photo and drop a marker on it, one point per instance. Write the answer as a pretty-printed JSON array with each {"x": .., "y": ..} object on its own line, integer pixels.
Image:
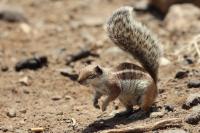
[{"x": 132, "y": 90}]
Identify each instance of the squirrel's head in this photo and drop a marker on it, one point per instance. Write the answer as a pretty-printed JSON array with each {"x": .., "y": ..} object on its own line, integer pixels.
[{"x": 90, "y": 75}]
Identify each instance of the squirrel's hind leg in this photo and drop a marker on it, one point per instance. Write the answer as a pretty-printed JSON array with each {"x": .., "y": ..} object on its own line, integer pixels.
[{"x": 146, "y": 102}]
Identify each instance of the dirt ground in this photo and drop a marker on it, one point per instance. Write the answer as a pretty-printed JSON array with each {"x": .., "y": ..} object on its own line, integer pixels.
[{"x": 59, "y": 28}]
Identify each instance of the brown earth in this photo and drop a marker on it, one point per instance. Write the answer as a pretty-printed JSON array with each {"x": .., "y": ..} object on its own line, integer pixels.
[{"x": 59, "y": 28}]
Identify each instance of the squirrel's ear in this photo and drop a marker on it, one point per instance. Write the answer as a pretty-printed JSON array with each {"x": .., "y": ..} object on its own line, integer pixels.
[{"x": 98, "y": 70}]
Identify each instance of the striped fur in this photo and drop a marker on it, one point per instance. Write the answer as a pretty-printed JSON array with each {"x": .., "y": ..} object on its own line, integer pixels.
[
  {"x": 132, "y": 81},
  {"x": 135, "y": 38}
]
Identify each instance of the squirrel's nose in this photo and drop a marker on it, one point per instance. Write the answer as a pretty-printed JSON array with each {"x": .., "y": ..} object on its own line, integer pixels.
[{"x": 80, "y": 81}]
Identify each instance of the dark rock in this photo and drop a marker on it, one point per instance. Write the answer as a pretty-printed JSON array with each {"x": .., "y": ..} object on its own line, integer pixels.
[
  {"x": 80, "y": 55},
  {"x": 56, "y": 98},
  {"x": 192, "y": 100},
  {"x": 69, "y": 73},
  {"x": 169, "y": 108},
  {"x": 3, "y": 129},
  {"x": 193, "y": 118},
  {"x": 32, "y": 63},
  {"x": 4, "y": 68},
  {"x": 193, "y": 84},
  {"x": 181, "y": 74},
  {"x": 12, "y": 14},
  {"x": 188, "y": 60}
]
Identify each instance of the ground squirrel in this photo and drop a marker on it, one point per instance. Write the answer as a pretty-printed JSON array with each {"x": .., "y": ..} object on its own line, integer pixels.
[{"x": 132, "y": 84}]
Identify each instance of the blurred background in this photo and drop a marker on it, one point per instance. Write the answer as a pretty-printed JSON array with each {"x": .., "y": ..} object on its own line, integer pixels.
[{"x": 43, "y": 44}]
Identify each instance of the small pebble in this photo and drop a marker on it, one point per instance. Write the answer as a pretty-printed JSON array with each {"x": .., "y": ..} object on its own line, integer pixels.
[
  {"x": 23, "y": 111},
  {"x": 3, "y": 129},
  {"x": 26, "y": 91},
  {"x": 193, "y": 118},
  {"x": 12, "y": 14},
  {"x": 169, "y": 108},
  {"x": 193, "y": 84},
  {"x": 181, "y": 74},
  {"x": 56, "y": 98},
  {"x": 25, "y": 81},
  {"x": 11, "y": 113},
  {"x": 4, "y": 68},
  {"x": 67, "y": 97},
  {"x": 60, "y": 113},
  {"x": 164, "y": 61},
  {"x": 157, "y": 114},
  {"x": 188, "y": 60},
  {"x": 192, "y": 100}
]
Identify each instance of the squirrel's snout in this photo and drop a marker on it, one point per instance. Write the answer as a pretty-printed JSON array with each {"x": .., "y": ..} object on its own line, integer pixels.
[{"x": 80, "y": 81}]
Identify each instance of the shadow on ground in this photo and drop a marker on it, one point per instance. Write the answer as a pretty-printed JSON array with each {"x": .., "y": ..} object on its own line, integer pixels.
[{"x": 109, "y": 123}]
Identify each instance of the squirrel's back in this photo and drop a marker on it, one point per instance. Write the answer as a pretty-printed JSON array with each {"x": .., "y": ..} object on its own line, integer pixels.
[{"x": 133, "y": 37}]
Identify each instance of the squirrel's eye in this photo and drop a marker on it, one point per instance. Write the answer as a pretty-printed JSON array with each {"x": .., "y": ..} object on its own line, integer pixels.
[{"x": 91, "y": 76}]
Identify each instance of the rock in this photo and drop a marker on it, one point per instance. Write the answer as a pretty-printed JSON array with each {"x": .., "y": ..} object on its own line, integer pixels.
[
  {"x": 70, "y": 73},
  {"x": 169, "y": 108},
  {"x": 67, "y": 97},
  {"x": 25, "y": 81},
  {"x": 188, "y": 60},
  {"x": 181, "y": 74},
  {"x": 12, "y": 14},
  {"x": 194, "y": 117},
  {"x": 164, "y": 61},
  {"x": 33, "y": 63},
  {"x": 192, "y": 100},
  {"x": 84, "y": 53},
  {"x": 193, "y": 84},
  {"x": 11, "y": 113},
  {"x": 174, "y": 131},
  {"x": 56, "y": 98},
  {"x": 4, "y": 68},
  {"x": 23, "y": 111},
  {"x": 25, "y": 28},
  {"x": 26, "y": 91},
  {"x": 157, "y": 114},
  {"x": 3, "y": 129},
  {"x": 60, "y": 113},
  {"x": 184, "y": 19}
]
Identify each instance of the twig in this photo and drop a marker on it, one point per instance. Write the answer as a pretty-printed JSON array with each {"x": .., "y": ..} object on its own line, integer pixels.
[
  {"x": 172, "y": 122},
  {"x": 37, "y": 129}
]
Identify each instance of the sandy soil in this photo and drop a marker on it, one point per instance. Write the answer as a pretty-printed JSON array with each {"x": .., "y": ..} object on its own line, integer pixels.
[{"x": 59, "y": 28}]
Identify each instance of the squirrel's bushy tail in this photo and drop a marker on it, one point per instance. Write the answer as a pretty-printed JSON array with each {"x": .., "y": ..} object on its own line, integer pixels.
[{"x": 133, "y": 37}]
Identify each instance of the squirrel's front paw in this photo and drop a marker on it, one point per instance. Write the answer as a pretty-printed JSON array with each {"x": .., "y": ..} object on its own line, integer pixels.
[{"x": 103, "y": 108}]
